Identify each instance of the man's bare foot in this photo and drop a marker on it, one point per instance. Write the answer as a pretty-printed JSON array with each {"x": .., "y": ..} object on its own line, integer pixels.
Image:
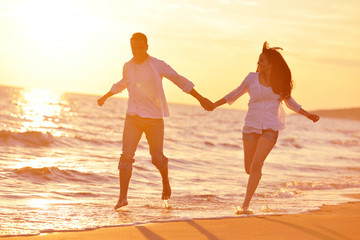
[
  {"x": 166, "y": 193},
  {"x": 120, "y": 203}
]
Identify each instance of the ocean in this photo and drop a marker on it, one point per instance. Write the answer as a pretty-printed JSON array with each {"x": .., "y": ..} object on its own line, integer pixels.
[{"x": 59, "y": 154}]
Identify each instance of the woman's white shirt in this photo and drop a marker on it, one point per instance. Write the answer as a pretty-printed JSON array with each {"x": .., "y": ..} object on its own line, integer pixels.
[{"x": 264, "y": 108}]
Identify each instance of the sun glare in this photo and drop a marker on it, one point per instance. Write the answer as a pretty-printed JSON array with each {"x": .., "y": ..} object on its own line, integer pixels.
[
  {"x": 41, "y": 203},
  {"x": 40, "y": 110},
  {"x": 52, "y": 44},
  {"x": 52, "y": 22},
  {"x": 38, "y": 162}
]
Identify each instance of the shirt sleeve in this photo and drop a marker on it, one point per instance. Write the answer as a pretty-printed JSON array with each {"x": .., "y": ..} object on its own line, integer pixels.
[
  {"x": 292, "y": 104},
  {"x": 237, "y": 92},
  {"x": 180, "y": 81},
  {"x": 120, "y": 85}
]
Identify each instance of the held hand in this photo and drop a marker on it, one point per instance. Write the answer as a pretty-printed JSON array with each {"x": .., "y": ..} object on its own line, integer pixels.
[
  {"x": 313, "y": 117},
  {"x": 207, "y": 104},
  {"x": 101, "y": 101}
]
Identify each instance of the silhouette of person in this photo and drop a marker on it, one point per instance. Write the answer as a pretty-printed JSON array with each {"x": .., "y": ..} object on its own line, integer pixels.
[
  {"x": 270, "y": 85},
  {"x": 146, "y": 108}
]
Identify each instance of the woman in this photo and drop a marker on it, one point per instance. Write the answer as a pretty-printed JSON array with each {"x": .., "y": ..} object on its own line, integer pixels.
[{"x": 267, "y": 87}]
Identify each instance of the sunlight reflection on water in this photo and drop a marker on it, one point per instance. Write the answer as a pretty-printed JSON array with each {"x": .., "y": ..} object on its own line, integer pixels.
[{"x": 39, "y": 109}]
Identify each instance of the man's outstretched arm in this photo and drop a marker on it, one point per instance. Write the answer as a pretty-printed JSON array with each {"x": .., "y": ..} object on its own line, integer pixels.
[
  {"x": 102, "y": 100},
  {"x": 204, "y": 102}
]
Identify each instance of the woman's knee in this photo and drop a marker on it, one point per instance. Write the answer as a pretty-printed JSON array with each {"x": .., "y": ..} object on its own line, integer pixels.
[
  {"x": 257, "y": 174},
  {"x": 256, "y": 168},
  {"x": 247, "y": 169}
]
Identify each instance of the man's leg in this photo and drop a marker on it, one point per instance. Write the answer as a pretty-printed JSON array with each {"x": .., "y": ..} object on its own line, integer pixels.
[
  {"x": 131, "y": 137},
  {"x": 155, "y": 136}
]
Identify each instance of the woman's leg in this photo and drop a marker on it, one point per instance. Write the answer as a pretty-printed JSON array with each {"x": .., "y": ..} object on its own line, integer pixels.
[
  {"x": 263, "y": 148},
  {"x": 249, "y": 151}
]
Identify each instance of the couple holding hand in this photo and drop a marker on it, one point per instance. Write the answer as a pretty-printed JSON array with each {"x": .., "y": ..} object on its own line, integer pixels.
[{"x": 142, "y": 77}]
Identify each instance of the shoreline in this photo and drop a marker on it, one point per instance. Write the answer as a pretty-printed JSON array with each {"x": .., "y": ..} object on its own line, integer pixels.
[{"x": 329, "y": 222}]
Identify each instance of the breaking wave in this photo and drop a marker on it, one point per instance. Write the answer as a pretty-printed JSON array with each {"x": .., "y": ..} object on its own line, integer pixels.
[
  {"x": 41, "y": 139},
  {"x": 46, "y": 174},
  {"x": 28, "y": 138}
]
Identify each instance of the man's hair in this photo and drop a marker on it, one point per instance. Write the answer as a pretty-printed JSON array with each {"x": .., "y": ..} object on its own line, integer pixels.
[{"x": 139, "y": 36}]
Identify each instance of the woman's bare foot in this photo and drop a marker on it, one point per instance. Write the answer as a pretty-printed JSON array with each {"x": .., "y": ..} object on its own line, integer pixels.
[
  {"x": 243, "y": 210},
  {"x": 120, "y": 203}
]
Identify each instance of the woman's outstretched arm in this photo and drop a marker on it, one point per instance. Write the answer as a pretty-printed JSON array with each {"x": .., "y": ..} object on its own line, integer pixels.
[
  {"x": 293, "y": 105},
  {"x": 312, "y": 117}
]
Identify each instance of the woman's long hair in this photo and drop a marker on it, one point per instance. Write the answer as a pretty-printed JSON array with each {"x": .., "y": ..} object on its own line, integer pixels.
[{"x": 280, "y": 76}]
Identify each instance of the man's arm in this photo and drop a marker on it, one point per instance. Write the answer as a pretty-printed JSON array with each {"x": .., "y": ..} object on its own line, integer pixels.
[
  {"x": 116, "y": 88},
  {"x": 204, "y": 102},
  {"x": 184, "y": 84},
  {"x": 102, "y": 100}
]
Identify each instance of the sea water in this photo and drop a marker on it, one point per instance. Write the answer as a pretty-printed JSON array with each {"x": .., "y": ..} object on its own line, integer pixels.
[{"x": 59, "y": 154}]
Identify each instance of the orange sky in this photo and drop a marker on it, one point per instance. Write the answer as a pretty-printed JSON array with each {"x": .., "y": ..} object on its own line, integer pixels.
[{"x": 81, "y": 46}]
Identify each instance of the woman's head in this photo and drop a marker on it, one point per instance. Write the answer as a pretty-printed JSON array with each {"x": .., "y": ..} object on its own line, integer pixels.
[{"x": 280, "y": 75}]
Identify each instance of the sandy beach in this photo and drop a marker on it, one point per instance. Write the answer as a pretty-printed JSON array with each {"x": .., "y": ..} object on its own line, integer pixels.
[{"x": 330, "y": 222}]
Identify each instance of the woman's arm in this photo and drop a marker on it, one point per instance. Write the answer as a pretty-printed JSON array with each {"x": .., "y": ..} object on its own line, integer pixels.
[
  {"x": 220, "y": 102},
  {"x": 293, "y": 105},
  {"x": 312, "y": 117},
  {"x": 231, "y": 97}
]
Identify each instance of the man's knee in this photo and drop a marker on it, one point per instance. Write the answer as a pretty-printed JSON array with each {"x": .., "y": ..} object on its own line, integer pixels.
[
  {"x": 160, "y": 161},
  {"x": 126, "y": 162}
]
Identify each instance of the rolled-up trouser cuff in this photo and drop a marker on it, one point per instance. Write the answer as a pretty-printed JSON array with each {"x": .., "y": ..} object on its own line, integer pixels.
[
  {"x": 125, "y": 163},
  {"x": 125, "y": 166},
  {"x": 160, "y": 162}
]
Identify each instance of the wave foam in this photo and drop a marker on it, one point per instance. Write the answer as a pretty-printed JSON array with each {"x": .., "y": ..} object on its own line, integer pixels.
[
  {"x": 350, "y": 182},
  {"x": 347, "y": 143},
  {"x": 28, "y": 138},
  {"x": 293, "y": 142}
]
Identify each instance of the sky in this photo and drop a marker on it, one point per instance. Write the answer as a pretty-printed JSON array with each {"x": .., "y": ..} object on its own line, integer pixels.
[{"x": 81, "y": 46}]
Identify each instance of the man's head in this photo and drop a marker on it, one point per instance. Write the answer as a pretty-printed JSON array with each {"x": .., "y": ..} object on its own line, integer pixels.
[{"x": 139, "y": 45}]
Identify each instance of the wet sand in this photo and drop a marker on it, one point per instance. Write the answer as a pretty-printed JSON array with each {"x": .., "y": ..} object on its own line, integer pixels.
[{"x": 330, "y": 222}]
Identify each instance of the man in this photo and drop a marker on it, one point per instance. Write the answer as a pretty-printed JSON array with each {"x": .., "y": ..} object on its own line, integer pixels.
[{"x": 142, "y": 77}]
